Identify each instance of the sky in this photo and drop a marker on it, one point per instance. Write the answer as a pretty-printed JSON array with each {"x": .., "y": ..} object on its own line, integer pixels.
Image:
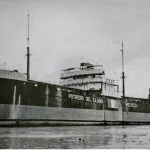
[{"x": 64, "y": 33}]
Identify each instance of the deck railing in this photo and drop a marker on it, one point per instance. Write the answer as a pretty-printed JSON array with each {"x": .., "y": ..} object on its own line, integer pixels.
[
  {"x": 82, "y": 72},
  {"x": 83, "y": 81}
]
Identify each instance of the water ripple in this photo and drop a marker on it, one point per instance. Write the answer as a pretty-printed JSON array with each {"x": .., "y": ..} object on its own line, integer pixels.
[{"x": 122, "y": 137}]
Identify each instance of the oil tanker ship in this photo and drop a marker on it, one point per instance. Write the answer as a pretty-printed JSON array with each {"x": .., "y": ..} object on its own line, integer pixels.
[{"x": 85, "y": 96}]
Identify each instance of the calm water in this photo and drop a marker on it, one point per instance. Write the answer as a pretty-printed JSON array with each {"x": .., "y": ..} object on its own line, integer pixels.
[{"x": 76, "y": 137}]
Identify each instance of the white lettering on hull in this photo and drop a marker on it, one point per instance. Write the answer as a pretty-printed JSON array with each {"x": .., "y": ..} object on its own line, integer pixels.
[
  {"x": 87, "y": 99},
  {"x": 131, "y": 105}
]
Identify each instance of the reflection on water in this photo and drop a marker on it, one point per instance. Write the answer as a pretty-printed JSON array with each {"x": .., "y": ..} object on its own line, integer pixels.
[{"x": 76, "y": 137}]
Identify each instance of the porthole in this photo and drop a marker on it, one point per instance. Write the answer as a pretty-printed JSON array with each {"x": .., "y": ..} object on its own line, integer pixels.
[{"x": 35, "y": 85}]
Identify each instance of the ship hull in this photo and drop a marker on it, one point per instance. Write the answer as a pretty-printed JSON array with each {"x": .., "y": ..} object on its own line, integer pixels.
[
  {"x": 36, "y": 103},
  {"x": 52, "y": 115},
  {"x": 40, "y": 115}
]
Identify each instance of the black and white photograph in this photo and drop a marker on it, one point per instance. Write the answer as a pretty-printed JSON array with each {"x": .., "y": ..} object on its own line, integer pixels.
[{"x": 74, "y": 74}]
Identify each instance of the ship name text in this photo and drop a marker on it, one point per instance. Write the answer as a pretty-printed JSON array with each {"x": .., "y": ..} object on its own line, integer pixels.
[
  {"x": 87, "y": 99},
  {"x": 131, "y": 105}
]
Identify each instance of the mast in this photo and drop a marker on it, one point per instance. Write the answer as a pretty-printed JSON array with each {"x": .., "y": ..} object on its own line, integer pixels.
[
  {"x": 28, "y": 53},
  {"x": 123, "y": 75}
]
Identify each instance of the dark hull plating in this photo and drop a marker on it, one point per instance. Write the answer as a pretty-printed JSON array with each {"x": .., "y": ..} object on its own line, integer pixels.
[{"x": 34, "y": 102}]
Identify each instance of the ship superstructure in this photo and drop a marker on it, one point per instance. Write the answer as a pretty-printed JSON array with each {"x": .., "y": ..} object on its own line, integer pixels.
[
  {"x": 89, "y": 77},
  {"x": 15, "y": 75}
]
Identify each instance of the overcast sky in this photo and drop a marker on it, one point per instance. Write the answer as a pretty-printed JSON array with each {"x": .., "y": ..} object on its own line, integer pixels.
[{"x": 64, "y": 33}]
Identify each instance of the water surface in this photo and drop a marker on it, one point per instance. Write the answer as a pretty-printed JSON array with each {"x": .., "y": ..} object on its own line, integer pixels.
[{"x": 76, "y": 137}]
